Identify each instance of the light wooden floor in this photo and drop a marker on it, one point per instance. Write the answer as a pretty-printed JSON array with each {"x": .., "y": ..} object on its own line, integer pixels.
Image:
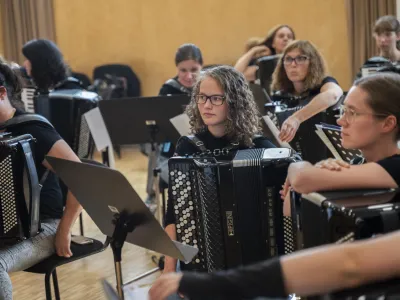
[{"x": 81, "y": 279}]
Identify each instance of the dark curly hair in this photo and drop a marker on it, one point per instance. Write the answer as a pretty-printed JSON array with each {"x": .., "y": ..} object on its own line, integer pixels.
[
  {"x": 48, "y": 66},
  {"x": 243, "y": 120}
]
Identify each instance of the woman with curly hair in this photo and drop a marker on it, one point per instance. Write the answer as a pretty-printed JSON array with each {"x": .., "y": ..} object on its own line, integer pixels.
[
  {"x": 301, "y": 71},
  {"x": 222, "y": 114}
]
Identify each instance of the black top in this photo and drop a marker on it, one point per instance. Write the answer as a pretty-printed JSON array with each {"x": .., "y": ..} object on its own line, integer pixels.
[
  {"x": 168, "y": 89},
  {"x": 260, "y": 279},
  {"x": 317, "y": 90},
  {"x": 392, "y": 166},
  {"x": 185, "y": 147},
  {"x": 51, "y": 205}
]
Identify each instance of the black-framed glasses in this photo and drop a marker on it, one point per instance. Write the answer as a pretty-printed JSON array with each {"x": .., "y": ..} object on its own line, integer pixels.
[
  {"x": 299, "y": 60},
  {"x": 214, "y": 99},
  {"x": 350, "y": 114}
]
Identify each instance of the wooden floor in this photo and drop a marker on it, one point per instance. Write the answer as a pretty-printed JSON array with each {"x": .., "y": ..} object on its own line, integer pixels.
[{"x": 81, "y": 279}]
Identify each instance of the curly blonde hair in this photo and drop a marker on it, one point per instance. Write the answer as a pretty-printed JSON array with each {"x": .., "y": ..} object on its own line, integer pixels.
[
  {"x": 316, "y": 70},
  {"x": 243, "y": 121}
]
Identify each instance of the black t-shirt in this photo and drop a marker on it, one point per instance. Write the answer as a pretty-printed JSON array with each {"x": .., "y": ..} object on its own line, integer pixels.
[
  {"x": 315, "y": 91},
  {"x": 176, "y": 89},
  {"x": 51, "y": 205},
  {"x": 211, "y": 142},
  {"x": 392, "y": 166}
]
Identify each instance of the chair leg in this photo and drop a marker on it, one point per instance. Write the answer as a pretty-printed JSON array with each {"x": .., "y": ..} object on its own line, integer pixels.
[
  {"x": 81, "y": 223},
  {"x": 55, "y": 283},
  {"x": 47, "y": 286}
]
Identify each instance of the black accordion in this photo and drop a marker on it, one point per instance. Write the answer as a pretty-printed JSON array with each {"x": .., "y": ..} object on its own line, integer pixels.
[
  {"x": 306, "y": 142},
  {"x": 19, "y": 189},
  {"x": 231, "y": 210},
  {"x": 65, "y": 109},
  {"x": 345, "y": 216}
]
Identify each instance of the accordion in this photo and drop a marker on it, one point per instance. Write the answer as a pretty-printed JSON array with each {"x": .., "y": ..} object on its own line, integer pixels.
[
  {"x": 345, "y": 216},
  {"x": 306, "y": 142},
  {"x": 19, "y": 189},
  {"x": 65, "y": 110},
  {"x": 231, "y": 210}
]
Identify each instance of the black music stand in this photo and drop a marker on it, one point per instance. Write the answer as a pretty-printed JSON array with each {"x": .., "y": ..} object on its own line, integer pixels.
[
  {"x": 118, "y": 211},
  {"x": 143, "y": 119}
]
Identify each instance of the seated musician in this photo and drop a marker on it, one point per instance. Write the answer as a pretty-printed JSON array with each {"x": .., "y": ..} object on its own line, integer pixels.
[
  {"x": 46, "y": 66},
  {"x": 56, "y": 222},
  {"x": 188, "y": 61},
  {"x": 301, "y": 71},
  {"x": 370, "y": 122},
  {"x": 275, "y": 42},
  {"x": 387, "y": 38},
  {"x": 222, "y": 112}
]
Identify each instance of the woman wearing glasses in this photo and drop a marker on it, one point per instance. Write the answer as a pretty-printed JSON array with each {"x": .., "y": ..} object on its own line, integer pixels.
[
  {"x": 223, "y": 116},
  {"x": 370, "y": 122},
  {"x": 301, "y": 71}
]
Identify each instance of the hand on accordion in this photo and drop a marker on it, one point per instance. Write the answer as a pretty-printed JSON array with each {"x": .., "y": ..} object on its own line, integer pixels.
[
  {"x": 285, "y": 189},
  {"x": 289, "y": 129},
  {"x": 332, "y": 164}
]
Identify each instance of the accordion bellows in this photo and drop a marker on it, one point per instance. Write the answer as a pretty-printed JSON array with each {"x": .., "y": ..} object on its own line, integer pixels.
[{"x": 231, "y": 210}]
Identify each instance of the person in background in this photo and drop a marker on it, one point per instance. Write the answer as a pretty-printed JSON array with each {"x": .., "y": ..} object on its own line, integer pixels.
[
  {"x": 387, "y": 38},
  {"x": 188, "y": 62},
  {"x": 301, "y": 71},
  {"x": 275, "y": 42}
]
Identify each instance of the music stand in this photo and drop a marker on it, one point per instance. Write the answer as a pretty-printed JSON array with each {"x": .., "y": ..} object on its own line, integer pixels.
[
  {"x": 118, "y": 211},
  {"x": 143, "y": 119},
  {"x": 260, "y": 96}
]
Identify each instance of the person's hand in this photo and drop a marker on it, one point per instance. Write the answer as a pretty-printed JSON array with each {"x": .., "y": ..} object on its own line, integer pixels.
[
  {"x": 332, "y": 164},
  {"x": 260, "y": 50},
  {"x": 285, "y": 189},
  {"x": 250, "y": 73},
  {"x": 164, "y": 286},
  {"x": 63, "y": 242},
  {"x": 289, "y": 129}
]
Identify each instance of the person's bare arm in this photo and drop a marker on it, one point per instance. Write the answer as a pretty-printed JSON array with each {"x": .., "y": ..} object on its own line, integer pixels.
[
  {"x": 243, "y": 62},
  {"x": 330, "y": 92},
  {"x": 72, "y": 207},
  {"x": 306, "y": 178},
  {"x": 336, "y": 267},
  {"x": 170, "y": 262}
]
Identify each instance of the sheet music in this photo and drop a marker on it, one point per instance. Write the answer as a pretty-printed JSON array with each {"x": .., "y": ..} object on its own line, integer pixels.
[
  {"x": 100, "y": 134},
  {"x": 181, "y": 124},
  {"x": 275, "y": 131}
]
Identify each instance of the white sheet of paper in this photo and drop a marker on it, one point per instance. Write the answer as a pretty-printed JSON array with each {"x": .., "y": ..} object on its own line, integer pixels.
[
  {"x": 99, "y": 133},
  {"x": 181, "y": 124},
  {"x": 275, "y": 132}
]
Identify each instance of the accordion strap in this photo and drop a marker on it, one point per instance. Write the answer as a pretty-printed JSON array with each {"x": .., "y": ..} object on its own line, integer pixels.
[
  {"x": 31, "y": 184},
  {"x": 23, "y": 119},
  {"x": 175, "y": 84}
]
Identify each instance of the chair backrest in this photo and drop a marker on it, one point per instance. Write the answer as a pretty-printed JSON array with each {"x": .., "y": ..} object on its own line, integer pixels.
[
  {"x": 83, "y": 78},
  {"x": 118, "y": 70}
]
